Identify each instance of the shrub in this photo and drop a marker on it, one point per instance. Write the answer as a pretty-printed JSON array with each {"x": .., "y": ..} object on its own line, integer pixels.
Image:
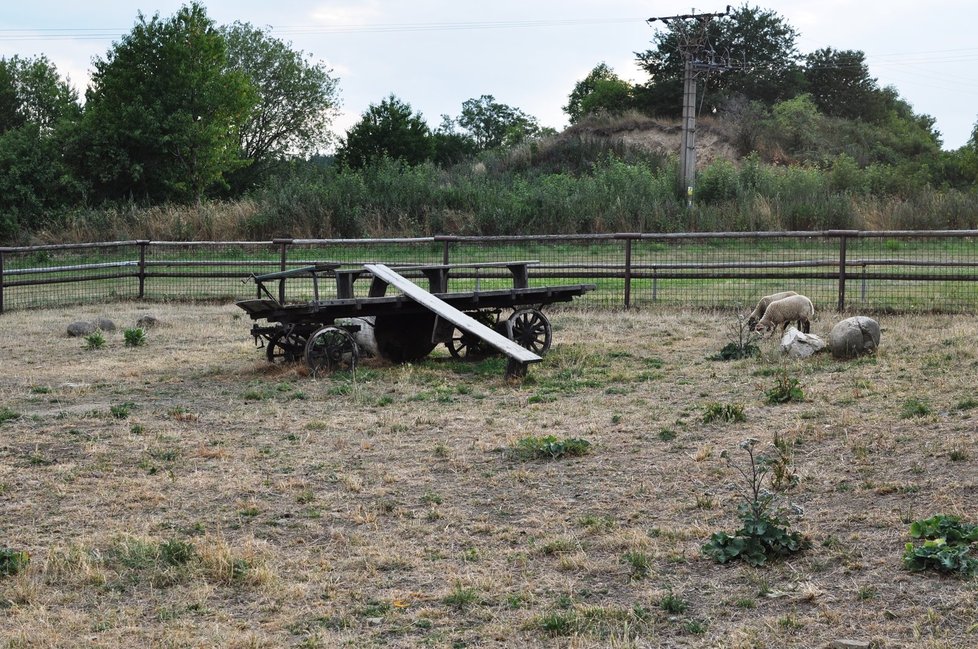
[
  {"x": 94, "y": 340},
  {"x": 134, "y": 337},
  {"x": 786, "y": 388}
]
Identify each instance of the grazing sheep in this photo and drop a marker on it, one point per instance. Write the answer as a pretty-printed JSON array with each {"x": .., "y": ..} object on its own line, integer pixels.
[
  {"x": 781, "y": 312},
  {"x": 762, "y": 304}
]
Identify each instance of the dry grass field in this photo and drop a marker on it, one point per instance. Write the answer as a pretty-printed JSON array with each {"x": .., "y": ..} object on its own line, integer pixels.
[{"x": 185, "y": 493}]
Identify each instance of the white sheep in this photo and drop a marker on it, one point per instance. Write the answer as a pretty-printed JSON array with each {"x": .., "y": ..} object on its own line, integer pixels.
[
  {"x": 762, "y": 304},
  {"x": 783, "y": 311}
]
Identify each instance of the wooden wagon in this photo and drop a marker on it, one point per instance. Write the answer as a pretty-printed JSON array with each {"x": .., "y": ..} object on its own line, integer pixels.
[{"x": 410, "y": 323}]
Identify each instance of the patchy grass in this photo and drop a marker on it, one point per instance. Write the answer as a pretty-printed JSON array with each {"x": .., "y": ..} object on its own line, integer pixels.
[{"x": 191, "y": 494}]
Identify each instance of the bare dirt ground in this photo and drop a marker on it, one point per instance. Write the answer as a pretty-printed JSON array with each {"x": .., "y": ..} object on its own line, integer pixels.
[{"x": 186, "y": 494}]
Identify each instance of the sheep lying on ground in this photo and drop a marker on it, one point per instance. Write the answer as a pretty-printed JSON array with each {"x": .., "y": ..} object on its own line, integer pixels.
[
  {"x": 781, "y": 312},
  {"x": 762, "y": 305}
]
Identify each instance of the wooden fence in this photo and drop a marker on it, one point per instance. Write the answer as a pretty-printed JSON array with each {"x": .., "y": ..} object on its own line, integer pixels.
[{"x": 844, "y": 269}]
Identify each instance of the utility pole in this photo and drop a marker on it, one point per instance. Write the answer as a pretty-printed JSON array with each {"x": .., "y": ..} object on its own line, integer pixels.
[{"x": 691, "y": 33}]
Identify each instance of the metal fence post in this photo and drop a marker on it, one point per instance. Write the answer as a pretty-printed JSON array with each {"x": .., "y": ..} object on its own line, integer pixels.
[
  {"x": 142, "y": 267},
  {"x": 1, "y": 282},
  {"x": 628, "y": 271}
]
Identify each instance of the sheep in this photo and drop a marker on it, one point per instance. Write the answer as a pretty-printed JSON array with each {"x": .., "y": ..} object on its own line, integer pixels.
[
  {"x": 762, "y": 304},
  {"x": 781, "y": 312}
]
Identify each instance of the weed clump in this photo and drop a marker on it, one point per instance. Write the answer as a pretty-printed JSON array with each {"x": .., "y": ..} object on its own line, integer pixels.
[
  {"x": 763, "y": 534},
  {"x": 948, "y": 547},
  {"x": 549, "y": 447}
]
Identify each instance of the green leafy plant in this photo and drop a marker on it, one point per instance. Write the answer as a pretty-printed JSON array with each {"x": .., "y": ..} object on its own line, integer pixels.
[
  {"x": 783, "y": 475},
  {"x": 673, "y": 604},
  {"x": 786, "y": 388},
  {"x": 948, "y": 546},
  {"x": 729, "y": 412},
  {"x": 13, "y": 561},
  {"x": 743, "y": 341},
  {"x": 94, "y": 340},
  {"x": 134, "y": 337},
  {"x": 122, "y": 410},
  {"x": 549, "y": 447},
  {"x": 763, "y": 534}
]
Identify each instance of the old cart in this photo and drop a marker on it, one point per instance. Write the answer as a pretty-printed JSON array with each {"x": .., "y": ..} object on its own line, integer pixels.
[{"x": 407, "y": 325}]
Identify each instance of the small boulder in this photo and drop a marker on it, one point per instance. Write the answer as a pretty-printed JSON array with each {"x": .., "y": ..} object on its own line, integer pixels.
[
  {"x": 81, "y": 328},
  {"x": 148, "y": 321},
  {"x": 854, "y": 337},
  {"x": 800, "y": 345},
  {"x": 104, "y": 324}
]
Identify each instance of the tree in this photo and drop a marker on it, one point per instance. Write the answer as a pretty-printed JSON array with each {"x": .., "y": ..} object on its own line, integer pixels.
[
  {"x": 32, "y": 91},
  {"x": 164, "y": 110},
  {"x": 601, "y": 90},
  {"x": 388, "y": 129},
  {"x": 296, "y": 99},
  {"x": 492, "y": 124},
  {"x": 840, "y": 85},
  {"x": 759, "y": 44}
]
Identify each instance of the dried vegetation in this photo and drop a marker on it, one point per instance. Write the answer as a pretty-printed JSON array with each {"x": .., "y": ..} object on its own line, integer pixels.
[{"x": 185, "y": 493}]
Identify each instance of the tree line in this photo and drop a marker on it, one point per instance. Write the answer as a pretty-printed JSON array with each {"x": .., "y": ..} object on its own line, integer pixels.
[{"x": 181, "y": 111}]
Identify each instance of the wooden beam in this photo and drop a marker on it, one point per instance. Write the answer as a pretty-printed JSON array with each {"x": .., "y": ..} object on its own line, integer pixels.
[{"x": 453, "y": 315}]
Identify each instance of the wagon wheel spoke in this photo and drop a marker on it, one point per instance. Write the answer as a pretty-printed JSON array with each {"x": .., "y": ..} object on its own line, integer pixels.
[
  {"x": 330, "y": 349},
  {"x": 284, "y": 347},
  {"x": 466, "y": 346},
  {"x": 532, "y": 330}
]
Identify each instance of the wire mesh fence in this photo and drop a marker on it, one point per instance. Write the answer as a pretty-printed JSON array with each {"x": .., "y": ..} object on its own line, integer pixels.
[{"x": 845, "y": 270}]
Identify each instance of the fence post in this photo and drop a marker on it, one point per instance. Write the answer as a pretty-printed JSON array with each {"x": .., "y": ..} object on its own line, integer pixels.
[
  {"x": 842, "y": 271},
  {"x": 284, "y": 247},
  {"x": 628, "y": 271},
  {"x": 1, "y": 282},
  {"x": 142, "y": 267},
  {"x": 446, "y": 247}
]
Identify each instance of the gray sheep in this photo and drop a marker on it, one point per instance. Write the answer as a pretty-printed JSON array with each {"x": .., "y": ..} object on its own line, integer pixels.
[
  {"x": 783, "y": 311},
  {"x": 762, "y": 305}
]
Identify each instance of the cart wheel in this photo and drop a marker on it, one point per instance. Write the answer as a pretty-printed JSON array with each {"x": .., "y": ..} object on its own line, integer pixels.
[
  {"x": 404, "y": 338},
  {"x": 284, "y": 347},
  {"x": 330, "y": 349},
  {"x": 466, "y": 346},
  {"x": 532, "y": 330}
]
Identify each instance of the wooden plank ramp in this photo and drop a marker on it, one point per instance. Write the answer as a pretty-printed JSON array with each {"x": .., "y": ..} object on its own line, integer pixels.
[{"x": 453, "y": 315}]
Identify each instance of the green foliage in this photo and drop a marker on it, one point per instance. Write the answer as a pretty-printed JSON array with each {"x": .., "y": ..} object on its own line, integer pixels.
[
  {"x": 673, "y": 604},
  {"x": 389, "y": 129},
  {"x": 550, "y": 447},
  {"x": 134, "y": 337},
  {"x": 639, "y": 564},
  {"x": 601, "y": 91},
  {"x": 913, "y": 408},
  {"x": 163, "y": 110},
  {"x": 94, "y": 340},
  {"x": 786, "y": 388},
  {"x": 948, "y": 546},
  {"x": 6, "y": 414},
  {"x": 122, "y": 410},
  {"x": 743, "y": 341},
  {"x": 296, "y": 99},
  {"x": 763, "y": 534},
  {"x": 13, "y": 561},
  {"x": 728, "y": 412},
  {"x": 492, "y": 124}
]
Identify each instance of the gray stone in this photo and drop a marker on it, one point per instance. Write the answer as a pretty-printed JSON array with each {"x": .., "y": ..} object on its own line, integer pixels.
[
  {"x": 849, "y": 644},
  {"x": 800, "y": 345},
  {"x": 81, "y": 328},
  {"x": 148, "y": 321},
  {"x": 854, "y": 337},
  {"x": 104, "y": 324}
]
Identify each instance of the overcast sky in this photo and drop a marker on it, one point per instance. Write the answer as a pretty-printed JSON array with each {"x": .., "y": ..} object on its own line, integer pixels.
[{"x": 435, "y": 54}]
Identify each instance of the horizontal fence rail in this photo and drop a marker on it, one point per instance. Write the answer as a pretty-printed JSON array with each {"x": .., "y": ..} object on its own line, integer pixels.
[{"x": 935, "y": 270}]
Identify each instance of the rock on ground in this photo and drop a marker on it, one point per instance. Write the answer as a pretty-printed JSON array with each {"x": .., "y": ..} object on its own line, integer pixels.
[
  {"x": 81, "y": 328},
  {"x": 800, "y": 345},
  {"x": 148, "y": 321},
  {"x": 854, "y": 337}
]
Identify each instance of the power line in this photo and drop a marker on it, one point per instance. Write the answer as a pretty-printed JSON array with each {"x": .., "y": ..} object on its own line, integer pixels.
[{"x": 108, "y": 33}]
